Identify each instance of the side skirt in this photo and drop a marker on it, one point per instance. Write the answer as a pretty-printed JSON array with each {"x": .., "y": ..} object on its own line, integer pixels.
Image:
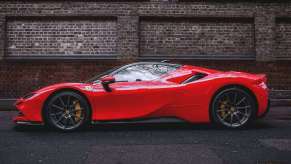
[{"x": 142, "y": 121}]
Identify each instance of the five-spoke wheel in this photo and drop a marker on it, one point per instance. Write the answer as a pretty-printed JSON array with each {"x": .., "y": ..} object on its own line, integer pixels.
[
  {"x": 233, "y": 108},
  {"x": 66, "y": 111}
]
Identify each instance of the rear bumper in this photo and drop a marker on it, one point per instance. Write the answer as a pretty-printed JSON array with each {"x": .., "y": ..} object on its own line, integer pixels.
[
  {"x": 266, "y": 111},
  {"x": 263, "y": 101}
]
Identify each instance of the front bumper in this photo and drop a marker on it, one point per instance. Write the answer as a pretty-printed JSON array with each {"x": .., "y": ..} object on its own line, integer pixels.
[
  {"x": 28, "y": 123},
  {"x": 29, "y": 111},
  {"x": 20, "y": 119}
]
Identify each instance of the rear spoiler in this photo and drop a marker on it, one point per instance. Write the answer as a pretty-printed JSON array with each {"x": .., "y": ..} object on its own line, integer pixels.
[{"x": 260, "y": 78}]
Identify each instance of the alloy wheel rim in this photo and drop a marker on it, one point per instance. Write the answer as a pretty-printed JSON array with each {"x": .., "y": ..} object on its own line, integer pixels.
[
  {"x": 233, "y": 108},
  {"x": 66, "y": 112}
]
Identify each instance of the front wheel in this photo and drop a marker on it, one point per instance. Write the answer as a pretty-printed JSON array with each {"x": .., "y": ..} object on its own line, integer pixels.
[
  {"x": 233, "y": 108},
  {"x": 67, "y": 111}
]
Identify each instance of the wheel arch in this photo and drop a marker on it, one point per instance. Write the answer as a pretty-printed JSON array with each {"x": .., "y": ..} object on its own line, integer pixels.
[
  {"x": 232, "y": 86},
  {"x": 64, "y": 90}
]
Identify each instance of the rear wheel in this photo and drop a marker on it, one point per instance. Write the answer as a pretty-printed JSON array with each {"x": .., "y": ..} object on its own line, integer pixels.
[
  {"x": 233, "y": 108},
  {"x": 67, "y": 111}
]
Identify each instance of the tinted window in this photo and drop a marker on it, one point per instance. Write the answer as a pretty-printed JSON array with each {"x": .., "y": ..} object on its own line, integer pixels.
[{"x": 143, "y": 72}]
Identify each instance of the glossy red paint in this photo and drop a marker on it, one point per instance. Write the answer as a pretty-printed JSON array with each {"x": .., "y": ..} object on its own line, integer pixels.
[{"x": 164, "y": 97}]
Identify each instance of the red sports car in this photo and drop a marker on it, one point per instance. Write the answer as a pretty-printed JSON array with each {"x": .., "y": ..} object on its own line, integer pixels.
[{"x": 149, "y": 91}]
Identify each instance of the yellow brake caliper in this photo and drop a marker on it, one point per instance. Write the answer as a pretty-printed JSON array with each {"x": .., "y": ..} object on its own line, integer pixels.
[
  {"x": 77, "y": 110},
  {"x": 223, "y": 109}
]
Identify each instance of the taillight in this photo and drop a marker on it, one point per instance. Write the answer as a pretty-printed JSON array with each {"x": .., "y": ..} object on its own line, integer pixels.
[
  {"x": 261, "y": 80},
  {"x": 263, "y": 85}
]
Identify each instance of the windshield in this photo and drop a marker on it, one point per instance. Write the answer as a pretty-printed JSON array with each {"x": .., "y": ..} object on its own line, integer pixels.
[{"x": 96, "y": 78}]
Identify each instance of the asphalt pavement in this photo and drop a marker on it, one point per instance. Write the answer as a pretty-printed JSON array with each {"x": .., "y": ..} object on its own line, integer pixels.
[{"x": 268, "y": 141}]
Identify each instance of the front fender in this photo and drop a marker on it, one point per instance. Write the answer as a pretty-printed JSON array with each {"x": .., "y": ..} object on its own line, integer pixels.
[{"x": 31, "y": 108}]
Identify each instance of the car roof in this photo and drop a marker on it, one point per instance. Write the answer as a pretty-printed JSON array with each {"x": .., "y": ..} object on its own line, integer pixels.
[{"x": 162, "y": 63}]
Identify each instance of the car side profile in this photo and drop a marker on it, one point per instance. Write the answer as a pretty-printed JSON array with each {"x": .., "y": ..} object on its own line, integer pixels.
[{"x": 147, "y": 91}]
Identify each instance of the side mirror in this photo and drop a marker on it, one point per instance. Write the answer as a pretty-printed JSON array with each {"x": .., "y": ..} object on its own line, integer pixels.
[{"x": 105, "y": 81}]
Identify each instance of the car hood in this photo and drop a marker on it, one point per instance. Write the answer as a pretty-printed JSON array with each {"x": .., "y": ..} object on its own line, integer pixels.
[{"x": 78, "y": 86}]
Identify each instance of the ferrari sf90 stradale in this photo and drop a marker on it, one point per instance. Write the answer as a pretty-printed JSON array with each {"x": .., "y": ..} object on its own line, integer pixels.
[{"x": 148, "y": 91}]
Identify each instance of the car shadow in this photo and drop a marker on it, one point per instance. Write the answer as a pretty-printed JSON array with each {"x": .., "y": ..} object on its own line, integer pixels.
[{"x": 145, "y": 127}]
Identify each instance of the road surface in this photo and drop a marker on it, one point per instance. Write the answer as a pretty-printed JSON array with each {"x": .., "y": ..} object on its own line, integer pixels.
[{"x": 268, "y": 141}]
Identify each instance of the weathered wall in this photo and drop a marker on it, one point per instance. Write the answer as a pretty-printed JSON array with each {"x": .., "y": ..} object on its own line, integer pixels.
[
  {"x": 58, "y": 37},
  {"x": 197, "y": 37},
  {"x": 45, "y": 42}
]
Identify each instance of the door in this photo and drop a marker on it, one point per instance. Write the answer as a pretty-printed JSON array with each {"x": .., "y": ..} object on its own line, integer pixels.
[{"x": 135, "y": 94}]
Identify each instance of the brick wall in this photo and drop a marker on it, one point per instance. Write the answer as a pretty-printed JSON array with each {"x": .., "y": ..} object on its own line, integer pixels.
[
  {"x": 46, "y": 42},
  {"x": 283, "y": 37},
  {"x": 197, "y": 37},
  {"x": 59, "y": 37},
  {"x": 18, "y": 78}
]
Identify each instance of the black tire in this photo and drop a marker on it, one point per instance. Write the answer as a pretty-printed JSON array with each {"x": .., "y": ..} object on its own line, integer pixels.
[
  {"x": 67, "y": 111},
  {"x": 233, "y": 108}
]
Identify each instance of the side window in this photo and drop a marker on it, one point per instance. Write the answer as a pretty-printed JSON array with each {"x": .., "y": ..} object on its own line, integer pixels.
[
  {"x": 163, "y": 69},
  {"x": 142, "y": 72}
]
